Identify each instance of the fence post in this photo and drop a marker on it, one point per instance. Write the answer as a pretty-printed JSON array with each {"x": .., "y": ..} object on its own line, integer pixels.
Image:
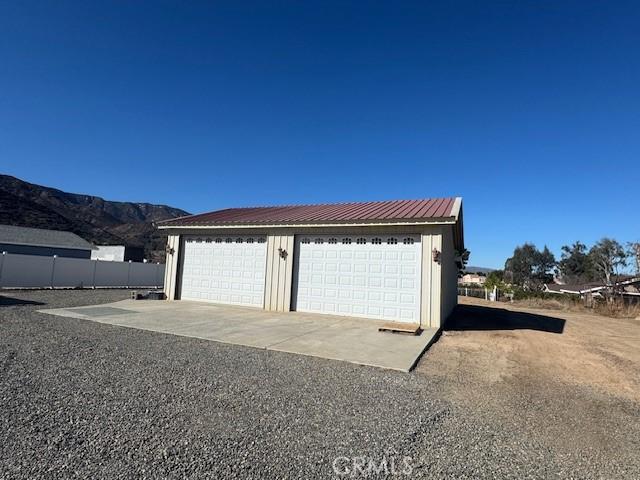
[
  {"x": 53, "y": 269},
  {"x": 495, "y": 293},
  {"x": 95, "y": 267},
  {"x": 129, "y": 274},
  {"x": 4, "y": 254},
  {"x": 157, "y": 274},
  {"x": 486, "y": 294},
  {"x": 466, "y": 291}
]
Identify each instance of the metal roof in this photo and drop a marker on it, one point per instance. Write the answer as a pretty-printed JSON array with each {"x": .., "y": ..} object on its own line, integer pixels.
[
  {"x": 41, "y": 237},
  {"x": 405, "y": 211}
]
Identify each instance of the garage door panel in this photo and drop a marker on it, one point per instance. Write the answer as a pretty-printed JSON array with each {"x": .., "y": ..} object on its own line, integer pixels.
[
  {"x": 368, "y": 276},
  {"x": 225, "y": 270}
]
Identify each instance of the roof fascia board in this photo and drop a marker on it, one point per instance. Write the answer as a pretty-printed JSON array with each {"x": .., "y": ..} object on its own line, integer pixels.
[
  {"x": 455, "y": 209},
  {"x": 441, "y": 221}
]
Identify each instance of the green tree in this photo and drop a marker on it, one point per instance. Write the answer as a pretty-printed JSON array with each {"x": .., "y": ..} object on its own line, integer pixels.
[
  {"x": 496, "y": 279},
  {"x": 529, "y": 267},
  {"x": 608, "y": 258},
  {"x": 575, "y": 264}
]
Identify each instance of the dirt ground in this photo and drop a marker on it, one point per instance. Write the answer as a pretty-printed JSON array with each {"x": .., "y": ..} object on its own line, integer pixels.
[{"x": 569, "y": 380}]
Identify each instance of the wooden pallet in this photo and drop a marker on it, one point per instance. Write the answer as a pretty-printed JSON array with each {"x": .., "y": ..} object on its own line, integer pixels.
[{"x": 399, "y": 327}]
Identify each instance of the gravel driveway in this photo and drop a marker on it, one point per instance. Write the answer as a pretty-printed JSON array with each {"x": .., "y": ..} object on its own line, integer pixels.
[{"x": 88, "y": 400}]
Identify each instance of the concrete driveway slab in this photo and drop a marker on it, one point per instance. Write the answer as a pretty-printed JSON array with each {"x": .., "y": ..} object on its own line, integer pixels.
[{"x": 347, "y": 339}]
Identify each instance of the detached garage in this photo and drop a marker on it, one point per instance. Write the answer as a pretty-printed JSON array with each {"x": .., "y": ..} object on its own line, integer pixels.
[{"x": 393, "y": 260}]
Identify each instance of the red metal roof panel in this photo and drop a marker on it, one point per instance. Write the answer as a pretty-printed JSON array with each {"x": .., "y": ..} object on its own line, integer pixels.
[{"x": 357, "y": 212}]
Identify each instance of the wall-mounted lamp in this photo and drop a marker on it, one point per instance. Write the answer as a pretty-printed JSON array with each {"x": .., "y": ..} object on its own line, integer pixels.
[
  {"x": 283, "y": 253},
  {"x": 436, "y": 255},
  {"x": 168, "y": 249}
]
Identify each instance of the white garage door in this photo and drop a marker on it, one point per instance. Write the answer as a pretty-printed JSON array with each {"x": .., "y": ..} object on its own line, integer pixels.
[
  {"x": 224, "y": 269},
  {"x": 362, "y": 276}
]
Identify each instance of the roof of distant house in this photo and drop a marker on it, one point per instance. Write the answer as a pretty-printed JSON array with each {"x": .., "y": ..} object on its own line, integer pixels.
[
  {"x": 41, "y": 237},
  {"x": 558, "y": 288},
  {"x": 622, "y": 280}
]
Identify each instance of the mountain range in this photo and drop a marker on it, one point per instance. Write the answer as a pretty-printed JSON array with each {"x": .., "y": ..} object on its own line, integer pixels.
[{"x": 99, "y": 221}]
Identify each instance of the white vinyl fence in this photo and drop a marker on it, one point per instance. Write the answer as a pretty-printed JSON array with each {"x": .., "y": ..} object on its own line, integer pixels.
[
  {"x": 493, "y": 294},
  {"x": 34, "y": 271}
]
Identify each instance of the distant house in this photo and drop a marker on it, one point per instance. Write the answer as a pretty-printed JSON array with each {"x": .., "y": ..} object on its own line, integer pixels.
[
  {"x": 118, "y": 253},
  {"x": 629, "y": 286},
  {"x": 38, "y": 241},
  {"x": 472, "y": 279}
]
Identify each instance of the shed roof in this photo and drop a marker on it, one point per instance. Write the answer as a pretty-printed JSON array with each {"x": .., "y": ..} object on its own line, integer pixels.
[
  {"x": 405, "y": 211},
  {"x": 41, "y": 237}
]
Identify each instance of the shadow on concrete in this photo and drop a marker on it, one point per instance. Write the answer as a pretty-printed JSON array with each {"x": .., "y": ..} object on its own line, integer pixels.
[
  {"x": 475, "y": 317},
  {"x": 9, "y": 301}
]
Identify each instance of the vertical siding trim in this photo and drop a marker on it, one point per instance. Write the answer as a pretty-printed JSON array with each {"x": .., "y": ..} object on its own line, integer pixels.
[
  {"x": 436, "y": 286},
  {"x": 171, "y": 267},
  {"x": 282, "y": 273},
  {"x": 288, "y": 284},
  {"x": 167, "y": 268},
  {"x": 273, "y": 302},
  {"x": 276, "y": 272},
  {"x": 275, "y": 269},
  {"x": 269, "y": 273},
  {"x": 426, "y": 280},
  {"x": 276, "y": 280}
]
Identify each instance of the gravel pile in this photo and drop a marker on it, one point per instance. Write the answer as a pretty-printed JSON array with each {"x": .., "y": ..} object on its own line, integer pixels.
[{"x": 88, "y": 400}]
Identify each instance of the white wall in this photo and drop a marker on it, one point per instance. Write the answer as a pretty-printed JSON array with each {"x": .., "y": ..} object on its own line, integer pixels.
[
  {"x": 34, "y": 271},
  {"x": 111, "y": 253}
]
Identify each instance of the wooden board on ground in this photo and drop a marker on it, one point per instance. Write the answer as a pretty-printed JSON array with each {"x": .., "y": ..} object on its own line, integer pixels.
[{"x": 399, "y": 327}]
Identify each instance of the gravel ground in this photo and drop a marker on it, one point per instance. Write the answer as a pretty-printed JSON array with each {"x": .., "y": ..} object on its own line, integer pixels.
[{"x": 82, "y": 399}]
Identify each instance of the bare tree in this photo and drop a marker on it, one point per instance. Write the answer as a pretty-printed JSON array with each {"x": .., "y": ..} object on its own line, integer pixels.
[
  {"x": 634, "y": 252},
  {"x": 608, "y": 257}
]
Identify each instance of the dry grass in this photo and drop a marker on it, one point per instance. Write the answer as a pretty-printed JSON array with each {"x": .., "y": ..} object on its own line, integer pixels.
[{"x": 614, "y": 309}]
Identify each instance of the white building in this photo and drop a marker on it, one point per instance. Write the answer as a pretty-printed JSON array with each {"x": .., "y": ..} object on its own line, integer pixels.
[{"x": 394, "y": 260}]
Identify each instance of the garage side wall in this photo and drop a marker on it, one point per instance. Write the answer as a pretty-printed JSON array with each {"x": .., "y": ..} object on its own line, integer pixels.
[
  {"x": 449, "y": 275},
  {"x": 171, "y": 267},
  {"x": 279, "y": 274},
  {"x": 431, "y": 280}
]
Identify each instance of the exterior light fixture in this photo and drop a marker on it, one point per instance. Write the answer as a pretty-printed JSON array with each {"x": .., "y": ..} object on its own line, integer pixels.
[{"x": 436, "y": 255}]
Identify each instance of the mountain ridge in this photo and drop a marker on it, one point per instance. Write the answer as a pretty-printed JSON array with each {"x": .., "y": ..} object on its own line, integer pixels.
[{"x": 95, "y": 219}]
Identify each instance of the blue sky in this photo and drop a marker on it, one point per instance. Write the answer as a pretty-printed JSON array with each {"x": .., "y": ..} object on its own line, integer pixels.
[{"x": 528, "y": 110}]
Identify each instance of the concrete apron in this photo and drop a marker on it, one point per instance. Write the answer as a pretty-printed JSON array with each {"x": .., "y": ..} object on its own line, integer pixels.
[{"x": 347, "y": 339}]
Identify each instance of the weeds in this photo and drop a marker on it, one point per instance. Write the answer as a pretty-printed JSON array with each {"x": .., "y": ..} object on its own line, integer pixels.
[{"x": 616, "y": 308}]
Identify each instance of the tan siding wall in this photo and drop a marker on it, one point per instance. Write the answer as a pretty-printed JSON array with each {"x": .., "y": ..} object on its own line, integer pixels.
[
  {"x": 431, "y": 280},
  {"x": 171, "y": 267},
  {"x": 449, "y": 275},
  {"x": 279, "y": 273}
]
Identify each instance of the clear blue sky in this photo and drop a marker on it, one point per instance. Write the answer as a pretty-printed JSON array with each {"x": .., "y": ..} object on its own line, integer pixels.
[{"x": 528, "y": 110}]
